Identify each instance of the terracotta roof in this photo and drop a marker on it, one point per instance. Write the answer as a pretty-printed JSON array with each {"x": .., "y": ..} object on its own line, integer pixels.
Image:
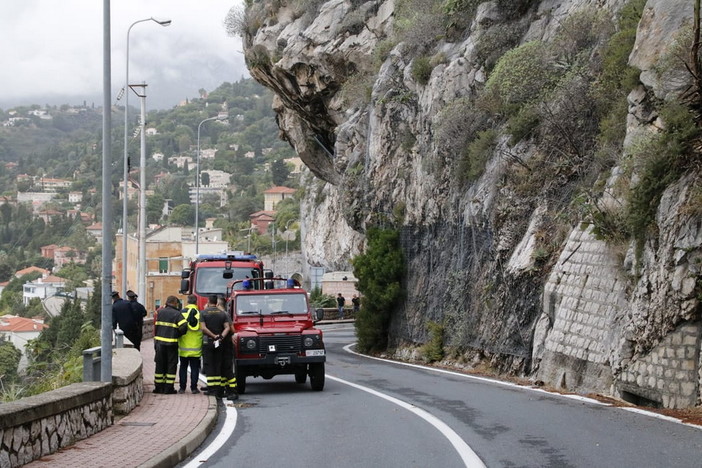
[
  {"x": 95, "y": 226},
  {"x": 12, "y": 323},
  {"x": 280, "y": 189},
  {"x": 53, "y": 279},
  {"x": 31, "y": 269},
  {"x": 262, "y": 213}
]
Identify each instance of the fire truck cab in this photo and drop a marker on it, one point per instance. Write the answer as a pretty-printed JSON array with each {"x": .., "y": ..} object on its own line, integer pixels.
[
  {"x": 274, "y": 332},
  {"x": 210, "y": 274}
]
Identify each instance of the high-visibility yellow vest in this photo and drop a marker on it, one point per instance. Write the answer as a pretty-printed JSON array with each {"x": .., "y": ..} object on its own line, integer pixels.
[{"x": 190, "y": 344}]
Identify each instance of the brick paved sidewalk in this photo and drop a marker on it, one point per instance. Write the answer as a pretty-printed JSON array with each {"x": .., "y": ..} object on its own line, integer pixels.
[{"x": 160, "y": 432}]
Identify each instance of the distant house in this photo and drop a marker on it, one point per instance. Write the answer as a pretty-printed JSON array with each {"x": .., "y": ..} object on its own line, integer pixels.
[
  {"x": 31, "y": 269},
  {"x": 335, "y": 282},
  {"x": 47, "y": 251},
  {"x": 296, "y": 163},
  {"x": 48, "y": 215},
  {"x": 3, "y": 285},
  {"x": 151, "y": 131},
  {"x": 261, "y": 220},
  {"x": 180, "y": 161},
  {"x": 18, "y": 331},
  {"x": 49, "y": 184},
  {"x": 95, "y": 230},
  {"x": 208, "y": 153},
  {"x": 66, "y": 255},
  {"x": 75, "y": 197},
  {"x": 42, "y": 288},
  {"x": 275, "y": 195},
  {"x": 158, "y": 156}
]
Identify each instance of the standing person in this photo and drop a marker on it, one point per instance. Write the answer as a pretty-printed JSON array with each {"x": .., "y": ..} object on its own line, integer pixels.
[
  {"x": 356, "y": 301},
  {"x": 138, "y": 314},
  {"x": 218, "y": 352},
  {"x": 340, "y": 302},
  {"x": 169, "y": 327},
  {"x": 123, "y": 317},
  {"x": 190, "y": 346}
]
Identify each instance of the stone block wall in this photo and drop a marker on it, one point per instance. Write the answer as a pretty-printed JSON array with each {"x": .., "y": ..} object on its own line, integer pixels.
[
  {"x": 127, "y": 380},
  {"x": 40, "y": 425},
  {"x": 669, "y": 375},
  {"x": 582, "y": 299}
]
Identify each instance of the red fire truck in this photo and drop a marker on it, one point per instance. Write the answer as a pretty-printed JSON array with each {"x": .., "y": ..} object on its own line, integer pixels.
[
  {"x": 210, "y": 274},
  {"x": 274, "y": 331}
]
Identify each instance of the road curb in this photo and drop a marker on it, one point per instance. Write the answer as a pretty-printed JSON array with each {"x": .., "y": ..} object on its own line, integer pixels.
[{"x": 188, "y": 444}]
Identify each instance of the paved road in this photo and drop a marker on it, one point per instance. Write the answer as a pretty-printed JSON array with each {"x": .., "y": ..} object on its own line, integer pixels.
[{"x": 280, "y": 423}]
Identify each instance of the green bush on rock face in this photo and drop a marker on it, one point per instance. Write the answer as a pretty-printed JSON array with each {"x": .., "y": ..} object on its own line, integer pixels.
[{"x": 520, "y": 76}]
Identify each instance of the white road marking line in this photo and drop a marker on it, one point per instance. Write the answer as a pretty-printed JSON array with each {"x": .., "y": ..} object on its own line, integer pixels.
[
  {"x": 643, "y": 412},
  {"x": 470, "y": 459}
]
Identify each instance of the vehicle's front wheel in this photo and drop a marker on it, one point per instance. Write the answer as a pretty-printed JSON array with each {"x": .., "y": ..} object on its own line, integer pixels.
[
  {"x": 317, "y": 376},
  {"x": 301, "y": 375},
  {"x": 240, "y": 382}
]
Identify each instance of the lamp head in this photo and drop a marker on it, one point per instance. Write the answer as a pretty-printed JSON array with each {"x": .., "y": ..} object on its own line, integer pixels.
[{"x": 162, "y": 22}]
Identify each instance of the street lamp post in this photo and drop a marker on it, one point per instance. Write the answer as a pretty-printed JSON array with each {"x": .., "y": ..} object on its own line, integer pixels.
[
  {"x": 141, "y": 265},
  {"x": 125, "y": 171},
  {"x": 220, "y": 116}
]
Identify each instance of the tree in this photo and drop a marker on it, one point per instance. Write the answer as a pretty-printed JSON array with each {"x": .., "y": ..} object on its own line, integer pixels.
[
  {"x": 182, "y": 215},
  {"x": 204, "y": 179},
  {"x": 9, "y": 360},
  {"x": 279, "y": 172},
  {"x": 379, "y": 271}
]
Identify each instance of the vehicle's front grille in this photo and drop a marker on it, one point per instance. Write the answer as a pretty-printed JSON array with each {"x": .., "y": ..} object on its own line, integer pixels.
[{"x": 280, "y": 344}]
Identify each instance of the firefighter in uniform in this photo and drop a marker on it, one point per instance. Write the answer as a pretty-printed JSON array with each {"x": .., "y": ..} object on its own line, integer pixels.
[
  {"x": 218, "y": 351},
  {"x": 169, "y": 326},
  {"x": 190, "y": 346}
]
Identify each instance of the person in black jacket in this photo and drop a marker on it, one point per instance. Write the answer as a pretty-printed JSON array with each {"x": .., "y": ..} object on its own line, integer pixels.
[
  {"x": 138, "y": 314},
  {"x": 170, "y": 325},
  {"x": 218, "y": 351},
  {"x": 123, "y": 316}
]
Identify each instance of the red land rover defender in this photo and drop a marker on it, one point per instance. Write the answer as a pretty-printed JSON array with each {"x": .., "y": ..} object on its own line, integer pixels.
[{"x": 274, "y": 332}]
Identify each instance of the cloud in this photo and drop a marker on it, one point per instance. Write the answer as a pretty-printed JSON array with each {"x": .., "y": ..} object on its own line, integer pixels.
[{"x": 52, "y": 50}]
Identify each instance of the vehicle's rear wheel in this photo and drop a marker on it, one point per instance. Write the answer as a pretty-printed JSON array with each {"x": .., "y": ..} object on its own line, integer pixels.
[
  {"x": 317, "y": 376},
  {"x": 240, "y": 382},
  {"x": 301, "y": 375}
]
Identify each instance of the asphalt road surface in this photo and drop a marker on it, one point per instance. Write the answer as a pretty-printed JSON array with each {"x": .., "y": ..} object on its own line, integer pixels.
[{"x": 373, "y": 413}]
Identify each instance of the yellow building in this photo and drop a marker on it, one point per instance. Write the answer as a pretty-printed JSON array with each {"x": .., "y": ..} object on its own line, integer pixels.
[{"x": 168, "y": 251}]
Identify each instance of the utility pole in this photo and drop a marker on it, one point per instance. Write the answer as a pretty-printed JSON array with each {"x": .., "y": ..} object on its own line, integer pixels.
[{"x": 106, "y": 309}]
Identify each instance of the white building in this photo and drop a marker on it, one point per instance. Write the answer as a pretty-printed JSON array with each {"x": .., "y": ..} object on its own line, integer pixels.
[
  {"x": 218, "y": 178},
  {"x": 18, "y": 331},
  {"x": 42, "y": 288},
  {"x": 208, "y": 153},
  {"x": 181, "y": 161}
]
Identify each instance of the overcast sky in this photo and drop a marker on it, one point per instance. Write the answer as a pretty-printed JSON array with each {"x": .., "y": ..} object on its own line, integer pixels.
[{"x": 51, "y": 50}]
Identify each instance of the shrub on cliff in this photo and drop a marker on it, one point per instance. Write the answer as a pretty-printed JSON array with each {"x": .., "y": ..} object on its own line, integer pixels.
[{"x": 379, "y": 271}]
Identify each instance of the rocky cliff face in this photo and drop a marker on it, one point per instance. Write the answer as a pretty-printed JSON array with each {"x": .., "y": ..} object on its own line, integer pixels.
[{"x": 521, "y": 279}]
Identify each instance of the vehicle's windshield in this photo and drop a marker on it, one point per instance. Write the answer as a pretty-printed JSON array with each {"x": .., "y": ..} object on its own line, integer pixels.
[
  {"x": 271, "y": 304},
  {"x": 212, "y": 281}
]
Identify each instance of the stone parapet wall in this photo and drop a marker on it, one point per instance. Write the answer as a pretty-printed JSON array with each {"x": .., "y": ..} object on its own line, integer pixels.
[
  {"x": 39, "y": 425},
  {"x": 127, "y": 380},
  {"x": 42, "y": 424}
]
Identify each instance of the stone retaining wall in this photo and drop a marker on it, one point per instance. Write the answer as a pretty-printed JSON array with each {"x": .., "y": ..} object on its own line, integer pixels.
[{"x": 41, "y": 424}]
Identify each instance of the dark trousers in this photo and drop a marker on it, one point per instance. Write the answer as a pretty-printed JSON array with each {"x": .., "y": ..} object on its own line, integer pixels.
[
  {"x": 194, "y": 363},
  {"x": 166, "y": 359},
  {"x": 219, "y": 368}
]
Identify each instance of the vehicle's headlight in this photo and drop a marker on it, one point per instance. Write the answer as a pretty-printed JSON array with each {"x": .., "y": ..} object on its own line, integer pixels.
[
  {"x": 249, "y": 344},
  {"x": 308, "y": 341}
]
